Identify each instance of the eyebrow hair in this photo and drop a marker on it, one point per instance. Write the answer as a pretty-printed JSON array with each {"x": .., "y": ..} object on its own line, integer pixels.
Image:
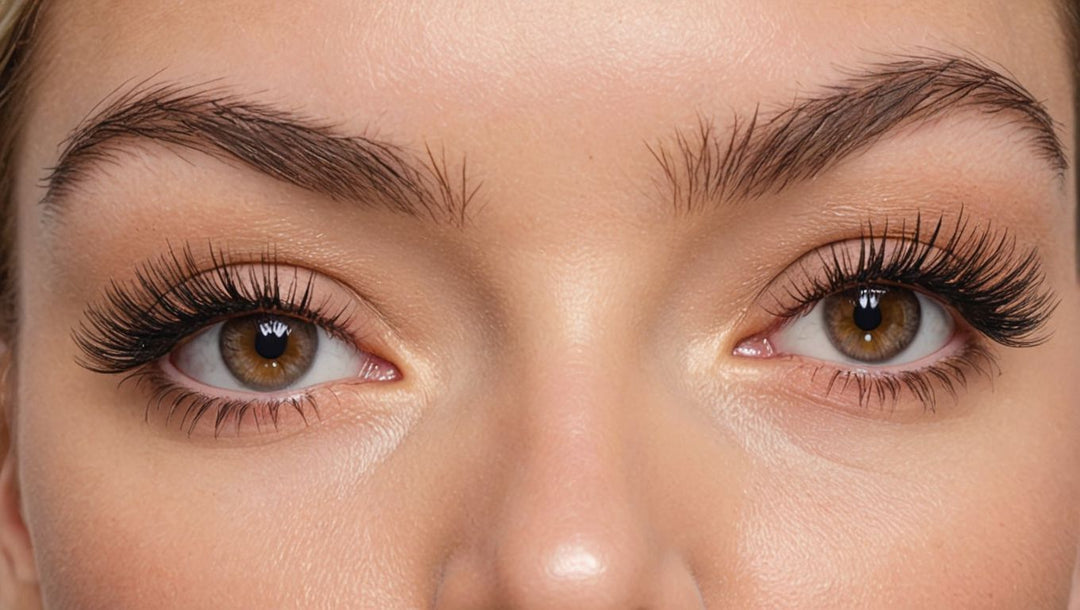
[
  {"x": 275, "y": 142},
  {"x": 760, "y": 156}
]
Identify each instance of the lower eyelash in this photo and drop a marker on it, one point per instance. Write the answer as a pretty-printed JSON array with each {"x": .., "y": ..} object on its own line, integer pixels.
[
  {"x": 948, "y": 375},
  {"x": 193, "y": 407}
]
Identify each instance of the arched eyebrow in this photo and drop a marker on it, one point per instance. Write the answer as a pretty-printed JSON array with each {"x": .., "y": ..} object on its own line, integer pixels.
[
  {"x": 275, "y": 142},
  {"x": 767, "y": 155}
]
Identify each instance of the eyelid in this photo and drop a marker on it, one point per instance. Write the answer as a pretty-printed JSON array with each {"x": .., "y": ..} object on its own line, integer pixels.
[
  {"x": 172, "y": 297},
  {"x": 999, "y": 290}
]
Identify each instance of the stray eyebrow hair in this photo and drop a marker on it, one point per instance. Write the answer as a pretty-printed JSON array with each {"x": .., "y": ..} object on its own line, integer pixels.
[
  {"x": 275, "y": 142},
  {"x": 760, "y": 156}
]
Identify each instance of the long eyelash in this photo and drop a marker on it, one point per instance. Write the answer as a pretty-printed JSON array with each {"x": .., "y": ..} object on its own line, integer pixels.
[
  {"x": 172, "y": 297},
  {"x": 998, "y": 290}
]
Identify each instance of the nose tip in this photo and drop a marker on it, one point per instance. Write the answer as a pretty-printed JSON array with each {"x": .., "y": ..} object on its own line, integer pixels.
[
  {"x": 574, "y": 526},
  {"x": 581, "y": 569},
  {"x": 585, "y": 574},
  {"x": 575, "y": 563}
]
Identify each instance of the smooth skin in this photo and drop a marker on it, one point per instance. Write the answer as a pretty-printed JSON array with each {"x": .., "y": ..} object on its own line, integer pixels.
[{"x": 572, "y": 429}]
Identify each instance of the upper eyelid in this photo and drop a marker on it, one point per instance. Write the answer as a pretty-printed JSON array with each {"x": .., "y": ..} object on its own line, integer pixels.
[
  {"x": 867, "y": 234},
  {"x": 978, "y": 271},
  {"x": 175, "y": 287}
]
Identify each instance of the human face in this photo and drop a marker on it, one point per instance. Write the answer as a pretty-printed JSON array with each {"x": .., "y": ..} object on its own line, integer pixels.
[{"x": 584, "y": 393}]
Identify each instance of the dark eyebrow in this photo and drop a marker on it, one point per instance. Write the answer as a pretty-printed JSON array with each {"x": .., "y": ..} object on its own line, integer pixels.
[
  {"x": 275, "y": 142},
  {"x": 763, "y": 155}
]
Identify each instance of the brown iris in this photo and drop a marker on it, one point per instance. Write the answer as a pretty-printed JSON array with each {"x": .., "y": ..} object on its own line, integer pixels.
[
  {"x": 266, "y": 352},
  {"x": 872, "y": 323}
]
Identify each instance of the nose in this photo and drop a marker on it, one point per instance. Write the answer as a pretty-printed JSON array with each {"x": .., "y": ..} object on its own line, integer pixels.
[{"x": 572, "y": 525}]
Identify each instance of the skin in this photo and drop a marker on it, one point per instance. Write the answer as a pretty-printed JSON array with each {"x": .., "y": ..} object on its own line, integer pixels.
[{"x": 572, "y": 428}]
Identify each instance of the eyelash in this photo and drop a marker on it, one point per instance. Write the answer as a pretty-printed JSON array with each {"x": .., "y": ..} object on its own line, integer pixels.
[
  {"x": 172, "y": 298},
  {"x": 999, "y": 292},
  {"x": 978, "y": 272}
]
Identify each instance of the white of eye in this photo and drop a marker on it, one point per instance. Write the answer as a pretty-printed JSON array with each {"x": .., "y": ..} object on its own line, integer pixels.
[
  {"x": 201, "y": 359},
  {"x": 808, "y": 336}
]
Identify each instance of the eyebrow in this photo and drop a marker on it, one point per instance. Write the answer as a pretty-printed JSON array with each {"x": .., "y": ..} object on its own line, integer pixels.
[
  {"x": 762, "y": 155},
  {"x": 282, "y": 144}
]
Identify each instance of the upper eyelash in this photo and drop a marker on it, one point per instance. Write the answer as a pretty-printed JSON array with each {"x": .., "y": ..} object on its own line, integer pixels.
[
  {"x": 172, "y": 297},
  {"x": 999, "y": 291}
]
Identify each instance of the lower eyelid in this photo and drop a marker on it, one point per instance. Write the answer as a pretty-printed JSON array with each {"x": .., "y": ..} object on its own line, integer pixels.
[
  {"x": 198, "y": 408},
  {"x": 175, "y": 402},
  {"x": 923, "y": 387}
]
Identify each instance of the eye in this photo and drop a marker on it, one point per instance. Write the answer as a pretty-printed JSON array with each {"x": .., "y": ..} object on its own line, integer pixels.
[
  {"x": 873, "y": 324},
  {"x": 273, "y": 353}
]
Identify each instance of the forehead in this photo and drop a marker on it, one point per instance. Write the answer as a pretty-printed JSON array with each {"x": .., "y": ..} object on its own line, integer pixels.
[{"x": 492, "y": 62}]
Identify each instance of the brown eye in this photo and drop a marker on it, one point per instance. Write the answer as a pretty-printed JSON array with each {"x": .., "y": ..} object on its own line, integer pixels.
[
  {"x": 872, "y": 323},
  {"x": 266, "y": 352}
]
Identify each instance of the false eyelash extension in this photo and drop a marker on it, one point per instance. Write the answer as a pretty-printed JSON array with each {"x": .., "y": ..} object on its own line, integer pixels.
[
  {"x": 999, "y": 291},
  {"x": 173, "y": 297}
]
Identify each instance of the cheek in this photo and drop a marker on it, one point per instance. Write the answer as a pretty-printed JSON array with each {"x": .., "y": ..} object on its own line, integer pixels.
[
  {"x": 255, "y": 536},
  {"x": 902, "y": 545},
  {"x": 121, "y": 518},
  {"x": 969, "y": 516}
]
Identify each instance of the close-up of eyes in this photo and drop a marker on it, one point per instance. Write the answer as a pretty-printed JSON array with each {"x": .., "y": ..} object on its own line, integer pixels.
[
  {"x": 908, "y": 311},
  {"x": 235, "y": 340},
  {"x": 892, "y": 311}
]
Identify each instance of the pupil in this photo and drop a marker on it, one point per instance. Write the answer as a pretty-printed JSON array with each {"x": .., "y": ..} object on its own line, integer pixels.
[
  {"x": 867, "y": 314},
  {"x": 271, "y": 339}
]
